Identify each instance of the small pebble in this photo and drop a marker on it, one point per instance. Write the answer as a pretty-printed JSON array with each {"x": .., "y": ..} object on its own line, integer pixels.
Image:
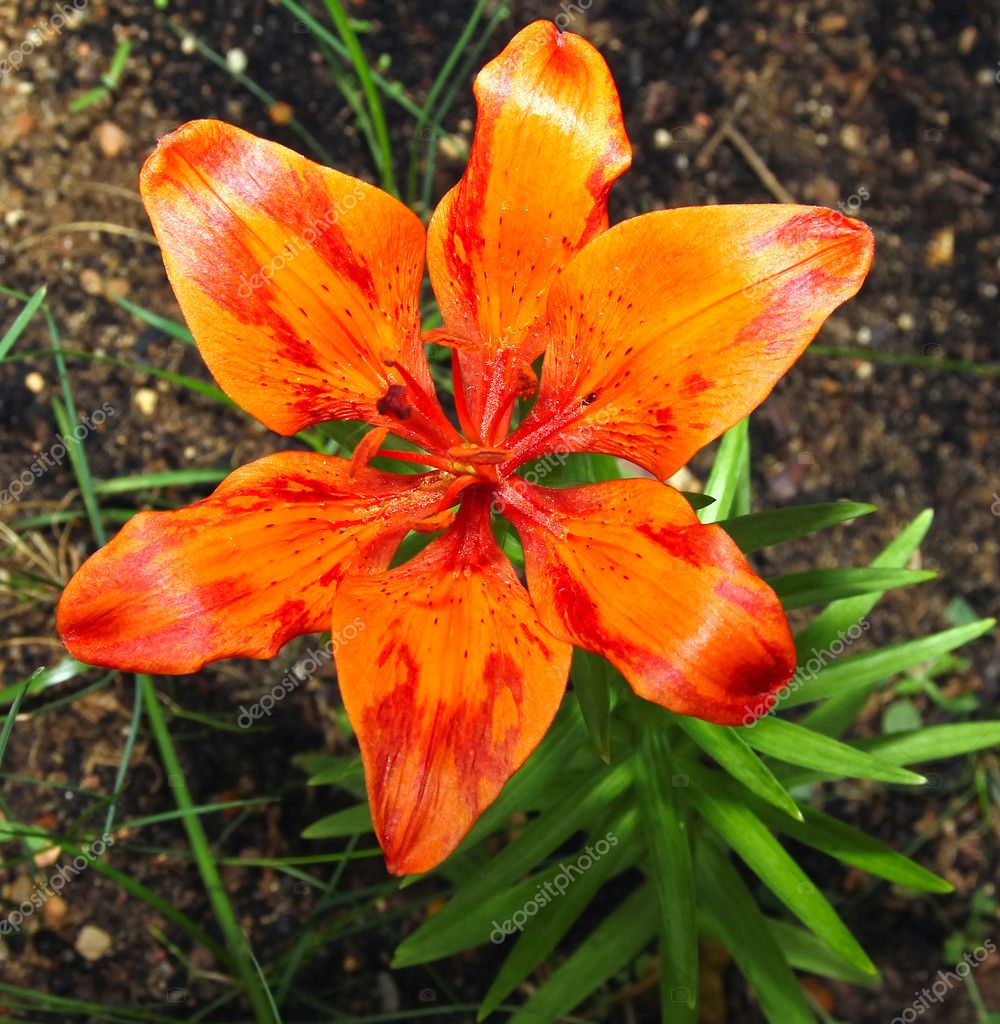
[
  {"x": 281, "y": 112},
  {"x": 236, "y": 61},
  {"x": 91, "y": 281},
  {"x": 906, "y": 322},
  {"x": 940, "y": 250},
  {"x": 54, "y": 911},
  {"x": 92, "y": 942},
  {"x": 662, "y": 139},
  {"x": 851, "y": 137},
  {"x": 146, "y": 400},
  {"x": 35, "y": 382},
  {"x": 111, "y": 140},
  {"x": 189, "y": 44}
]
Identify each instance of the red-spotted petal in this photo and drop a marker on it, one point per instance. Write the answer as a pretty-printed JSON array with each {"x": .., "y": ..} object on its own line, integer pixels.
[
  {"x": 242, "y": 572},
  {"x": 624, "y": 569},
  {"x": 549, "y": 144},
  {"x": 300, "y": 284},
  {"x": 671, "y": 327},
  {"x": 450, "y": 686}
]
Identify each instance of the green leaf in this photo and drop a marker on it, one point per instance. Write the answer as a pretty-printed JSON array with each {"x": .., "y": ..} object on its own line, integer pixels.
[
  {"x": 794, "y": 744},
  {"x": 802, "y": 589},
  {"x": 836, "y": 620},
  {"x": 729, "y": 481},
  {"x": 21, "y": 321},
  {"x": 665, "y": 828},
  {"x": 592, "y": 676},
  {"x": 88, "y": 99},
  {"x": 935, "y": 743},
  {"x": 837, "y": 839},
  {"x": 81, "y": 468},
  {"x": 765, "y": 529},
  {"x": 857, "y": 671},
  {"x": 727, "y": 746},
  {"x": 42, "y": 678},
  {"x": 617, "y": 940},
  {"x": 170, "y": 478},
  {"x": 544, "y": 931},
  {"x": 444, "y": 933},
  {"x": 169, "y": 327},
  {"x": 734, "y": 917},
  {"x": 901, "y": 716},
  {"x": 805, "y": 952},
  {"x": 744, "y": 831},
  {"x": 348, "y": 822},
  {"x": 835, "y": 716}
]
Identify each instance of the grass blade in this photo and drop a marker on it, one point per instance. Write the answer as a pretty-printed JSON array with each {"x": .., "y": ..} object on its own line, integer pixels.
[
  {"x": 821, "y": 586},
  {"x": 765, "y": 529},
  {"x": 794, "y": 744},
  {"x": 665, "y": 828},
  {"x": 730, "y": 749},
  {"x": 21, "y": 321},
  {"x": 236, "y": 942}
]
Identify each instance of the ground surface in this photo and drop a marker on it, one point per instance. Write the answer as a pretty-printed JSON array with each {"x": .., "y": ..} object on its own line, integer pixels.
[{"x": 891, "y": 111}]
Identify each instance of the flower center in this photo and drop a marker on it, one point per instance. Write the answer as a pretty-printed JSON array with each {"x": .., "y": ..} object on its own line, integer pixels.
[{"x": 476, "y": 460}]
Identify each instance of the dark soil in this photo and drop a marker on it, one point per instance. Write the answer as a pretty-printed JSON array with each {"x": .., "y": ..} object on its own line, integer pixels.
[{"x": 891, "y": 111}]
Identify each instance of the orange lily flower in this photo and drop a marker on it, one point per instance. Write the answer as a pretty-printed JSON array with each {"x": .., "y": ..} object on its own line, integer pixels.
[{"x": 301, "y": 286}]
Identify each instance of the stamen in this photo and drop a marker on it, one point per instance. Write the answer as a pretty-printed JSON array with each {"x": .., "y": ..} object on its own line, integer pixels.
[
  {"x": 461, "y": 405},
  {"x": 420, "y": 458},
  {"x": 428, "y": 406}
]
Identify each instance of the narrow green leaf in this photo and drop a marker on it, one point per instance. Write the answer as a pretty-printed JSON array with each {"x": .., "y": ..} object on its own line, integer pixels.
[
  {"x": 834, "y": 717},
  {"x": 543, "y": 932},
  {"x": 852, "y": 846},
  {"x": 537, "y": 840},
  {"x": 162, "y": 323},
  {"x": 348, "y": 822},
  {"x": 820, "y": 586},
  {"x": 42, "y": 678},
  {"x": 834, "y": 621},
  {"x": 765, "y": 529},
  {"x": 805, "y": 952},
  {"x": 665, "y": 828},
  {"x": 21, "y": 321},
  {"x": 382, "y": 153},
  {"x": 170, "y": 478},
  {"x": 81, "y": 469},
  {"x": 794, "y": 744},
  {"x": 619, "y": 938},
  {"x": 728, "y": 746},
  {"x": 592, "y": 676},
  {"x": 767, "y": 858},
  {"x": 729, "y": 480},
  {"x": 734, "y": 916},
  {"x": 935, "y": 743},
  {"x": 236, "y": 942},
  {"x": 856, "y": 671}
]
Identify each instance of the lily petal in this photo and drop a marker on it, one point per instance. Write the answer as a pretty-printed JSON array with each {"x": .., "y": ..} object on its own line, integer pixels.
[
  {"x": 300, "y": 284},
  {"x": 450, "y": 686},
  {"x": 672, "y": 326},
  {"x": 549, "y": 143},
  {"x": 624, "y": 569},
  {"x": 241, "y": 572}
]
